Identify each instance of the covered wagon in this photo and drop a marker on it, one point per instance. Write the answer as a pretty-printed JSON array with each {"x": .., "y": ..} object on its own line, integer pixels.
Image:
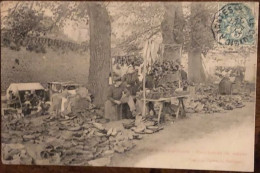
[{"x": 19, "y": 94}]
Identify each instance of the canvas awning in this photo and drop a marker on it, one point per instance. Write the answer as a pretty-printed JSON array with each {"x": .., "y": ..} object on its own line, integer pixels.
[{"x": 16, "y": 87}]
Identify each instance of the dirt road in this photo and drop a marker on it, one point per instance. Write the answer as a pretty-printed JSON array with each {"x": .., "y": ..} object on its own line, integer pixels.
[{"x": 221, "y": 141}]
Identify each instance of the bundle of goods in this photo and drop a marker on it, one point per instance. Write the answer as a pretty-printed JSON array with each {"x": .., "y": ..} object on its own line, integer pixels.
[
  {"x": 128, "y": 60},
  {"x": 164, "y": 68},
  {"x": 229, "y": 71},
  {"x": 167, "y": 80},
  {"x": 162, "y": 92},
  {"x": 213, "y": 103},
  {"x": 143, "y": 125},
  {"x": 203, "y": 89}
]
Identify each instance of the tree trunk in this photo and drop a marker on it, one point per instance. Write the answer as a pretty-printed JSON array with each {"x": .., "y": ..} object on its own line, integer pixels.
[
  {"x": 172, "y": 31},
  {"x": 100, "y": 51},
  {"x": 196, "y": 71}
]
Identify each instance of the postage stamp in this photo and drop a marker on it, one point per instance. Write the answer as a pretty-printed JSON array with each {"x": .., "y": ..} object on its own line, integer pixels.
[{"x": 234, "y": 24}]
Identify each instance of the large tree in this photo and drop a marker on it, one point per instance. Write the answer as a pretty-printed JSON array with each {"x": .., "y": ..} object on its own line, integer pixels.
[
  {"x": 172, "y": 30},
  {"x": 100, "y": 51},
  {"x": 201, "y": 39}
]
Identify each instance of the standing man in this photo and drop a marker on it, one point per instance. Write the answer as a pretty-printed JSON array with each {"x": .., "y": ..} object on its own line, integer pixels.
[
  {"x": 184, "y": 78},
  {"x": 132, "y": 84},
  {"x": 131, "y": 81}
]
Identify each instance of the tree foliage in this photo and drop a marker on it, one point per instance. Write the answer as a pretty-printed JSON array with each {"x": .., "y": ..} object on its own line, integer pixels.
[
  {"x": 21, "y": 22},
  {"x": 29, "y": 20},
  {"x": 133, "y": 23},
  {"x": 198, "y": 27}
]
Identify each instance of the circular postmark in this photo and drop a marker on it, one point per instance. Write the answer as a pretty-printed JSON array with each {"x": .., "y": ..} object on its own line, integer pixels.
[{"x": 234, "y": 24}]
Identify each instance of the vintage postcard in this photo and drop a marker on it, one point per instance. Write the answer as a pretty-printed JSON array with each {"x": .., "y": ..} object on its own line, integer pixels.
[{"x": 129, "y": 84}]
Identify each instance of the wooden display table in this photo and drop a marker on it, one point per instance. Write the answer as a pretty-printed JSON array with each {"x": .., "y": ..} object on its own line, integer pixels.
[{"x": 161, "y": 102}]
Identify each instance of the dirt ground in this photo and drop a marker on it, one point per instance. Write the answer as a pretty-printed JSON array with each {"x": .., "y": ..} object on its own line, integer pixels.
[{"x": 220, "y": 141}]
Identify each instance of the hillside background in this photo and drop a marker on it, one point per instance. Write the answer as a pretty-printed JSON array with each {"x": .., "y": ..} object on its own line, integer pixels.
[{"x": 25, "y": 66}]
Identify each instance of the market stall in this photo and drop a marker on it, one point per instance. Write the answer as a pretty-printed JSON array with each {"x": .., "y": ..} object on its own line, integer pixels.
[
  {"x": 169, "y": 81},
  {"x": 160, "y": 80}
]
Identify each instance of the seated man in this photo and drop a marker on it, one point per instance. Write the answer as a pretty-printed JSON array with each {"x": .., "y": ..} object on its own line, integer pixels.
[{"x": 117, "y": 95}]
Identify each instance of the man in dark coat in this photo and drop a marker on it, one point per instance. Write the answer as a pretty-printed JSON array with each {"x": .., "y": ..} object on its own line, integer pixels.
[
  {"x": 118, "y": 96},
  {"x": 184, "y": 78},
  {"x": 131, "y": 81}
]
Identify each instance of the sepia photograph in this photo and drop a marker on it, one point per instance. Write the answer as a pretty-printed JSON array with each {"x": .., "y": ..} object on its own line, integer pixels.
[{"x": 129, "y": 84}]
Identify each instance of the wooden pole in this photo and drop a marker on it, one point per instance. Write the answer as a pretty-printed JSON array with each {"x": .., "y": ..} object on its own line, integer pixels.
[
  {"x": 179, "y": 72},
  {"x": 144, "y": 78},
  {"x": 111, "y": 76}
]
